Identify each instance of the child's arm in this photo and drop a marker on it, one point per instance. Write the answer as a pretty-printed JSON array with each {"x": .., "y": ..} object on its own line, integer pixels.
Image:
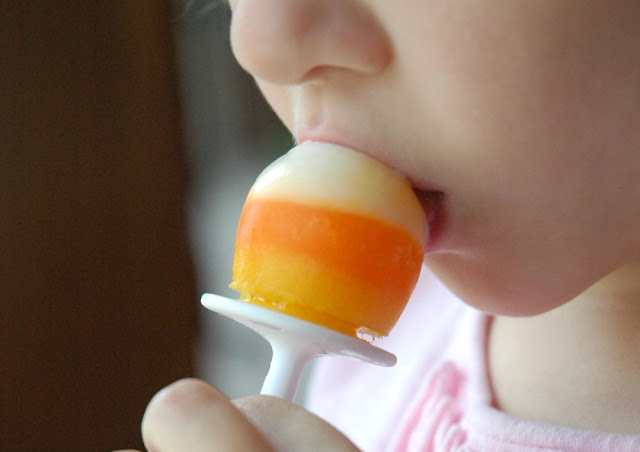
[{"x": 191, "y": 415}]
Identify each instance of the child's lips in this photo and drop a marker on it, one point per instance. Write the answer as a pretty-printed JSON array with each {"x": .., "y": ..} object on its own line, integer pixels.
[{"x": 432, "y": 203}]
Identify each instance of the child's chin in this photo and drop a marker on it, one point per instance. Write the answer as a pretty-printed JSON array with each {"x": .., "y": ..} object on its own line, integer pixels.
[
  {"x": 519, "y": 303},
  {"x": 497, "y": 292}
]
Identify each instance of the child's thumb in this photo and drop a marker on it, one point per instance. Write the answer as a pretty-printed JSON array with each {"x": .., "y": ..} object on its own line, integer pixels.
[
  {"x": 290, "y": 428},
  {"x": 191, "y": 415}
]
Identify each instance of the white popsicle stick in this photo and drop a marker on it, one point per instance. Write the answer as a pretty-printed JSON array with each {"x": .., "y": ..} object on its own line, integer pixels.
[{"x": 294, "y": 343}]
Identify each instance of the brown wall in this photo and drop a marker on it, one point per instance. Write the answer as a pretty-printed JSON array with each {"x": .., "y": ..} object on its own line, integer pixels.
[{"x": 98, "y": 304}]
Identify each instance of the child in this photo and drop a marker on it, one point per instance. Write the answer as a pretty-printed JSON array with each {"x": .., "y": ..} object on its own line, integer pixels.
[{"x": 518, "y": 123}]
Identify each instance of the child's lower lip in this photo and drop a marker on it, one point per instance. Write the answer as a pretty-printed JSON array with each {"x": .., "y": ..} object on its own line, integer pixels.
[{"x": 432, "y": 204}]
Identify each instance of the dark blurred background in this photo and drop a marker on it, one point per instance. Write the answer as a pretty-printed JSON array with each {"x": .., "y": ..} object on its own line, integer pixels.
[{"x": 128, "y": 139}]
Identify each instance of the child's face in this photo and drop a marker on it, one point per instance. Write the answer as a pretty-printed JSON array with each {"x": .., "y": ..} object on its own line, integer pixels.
[{"x": 525, "y": 115}]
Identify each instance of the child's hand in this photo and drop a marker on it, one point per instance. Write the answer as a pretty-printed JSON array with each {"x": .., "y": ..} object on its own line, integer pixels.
[{"x": 191, "y": 415}]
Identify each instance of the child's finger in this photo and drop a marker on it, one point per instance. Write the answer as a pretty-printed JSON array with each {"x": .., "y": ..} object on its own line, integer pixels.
[
  {"x": 191, "y": 415},
  {"x": 290, "y": 428}
]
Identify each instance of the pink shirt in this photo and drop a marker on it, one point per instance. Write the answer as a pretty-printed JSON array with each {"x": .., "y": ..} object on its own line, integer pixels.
[{"x": 437, "y": 398}]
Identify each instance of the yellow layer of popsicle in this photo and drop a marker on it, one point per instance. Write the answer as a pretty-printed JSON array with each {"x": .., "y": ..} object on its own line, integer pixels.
[{"x": 313, "y": 293}]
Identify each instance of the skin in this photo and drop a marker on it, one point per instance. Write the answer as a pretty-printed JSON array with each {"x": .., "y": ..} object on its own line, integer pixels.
[{"x": 521, "y": 122}]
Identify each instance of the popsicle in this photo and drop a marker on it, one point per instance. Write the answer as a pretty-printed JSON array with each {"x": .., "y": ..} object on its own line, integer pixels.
[{"x": 331, "y": 236}]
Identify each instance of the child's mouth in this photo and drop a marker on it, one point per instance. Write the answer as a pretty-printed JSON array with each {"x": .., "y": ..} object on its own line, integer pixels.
[{"x": 433, "y": 206}]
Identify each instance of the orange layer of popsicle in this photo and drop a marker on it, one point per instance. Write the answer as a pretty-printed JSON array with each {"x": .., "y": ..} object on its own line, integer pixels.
[{"x": 352, "y": 264}]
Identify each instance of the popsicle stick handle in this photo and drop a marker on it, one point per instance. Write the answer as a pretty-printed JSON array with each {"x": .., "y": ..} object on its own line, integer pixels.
[
  {"x": 287, "y": 363},
  {"x": 294, "y": 343}
]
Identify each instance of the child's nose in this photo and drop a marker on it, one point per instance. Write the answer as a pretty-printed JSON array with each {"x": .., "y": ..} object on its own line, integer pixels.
[{"x": 292, "y": 41}]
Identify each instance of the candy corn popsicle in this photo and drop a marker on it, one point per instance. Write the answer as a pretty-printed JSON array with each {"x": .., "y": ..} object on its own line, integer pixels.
[{"x": 330, "y": 236}]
